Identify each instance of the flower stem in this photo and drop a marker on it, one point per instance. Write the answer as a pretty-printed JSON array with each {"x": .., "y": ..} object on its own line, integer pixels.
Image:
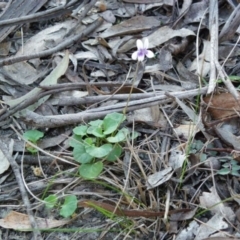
[{"x": 130, "y": 93}]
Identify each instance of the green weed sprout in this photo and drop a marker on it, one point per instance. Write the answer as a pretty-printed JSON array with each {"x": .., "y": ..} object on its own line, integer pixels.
[
  {"x": 98, "y": 141},
  {"x": 33, "y": 136},
  {"x": 67, "y": 208},
  {"x": 230, "y": 166}
]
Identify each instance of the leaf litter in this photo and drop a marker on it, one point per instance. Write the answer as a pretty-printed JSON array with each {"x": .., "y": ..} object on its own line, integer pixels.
[{"x": 184, "y": 163}]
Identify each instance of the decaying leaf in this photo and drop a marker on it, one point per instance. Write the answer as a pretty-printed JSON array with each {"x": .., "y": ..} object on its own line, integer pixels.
[
  {"x": 228, "y": 137},
  {"x": 192, "y": 115},
  {"x": 176, "y": 159},
  {"x": 20, "y": 221},
  {"x": 215, "y": 224},
  {"x": 212, "y": 201},
  {"x": 50, "y": 79},
  {"x": 185, "y": 130},
  {"x": 222, "y": 105},
  {"x": 189, "y": 232},
  {"x": 4, "y": 163},
  {"x": 47, "y": 38},
  {"x": 201, "y": 64},
  {"x": 159, "y": 178},
  {"x": 133, "y": 25}
]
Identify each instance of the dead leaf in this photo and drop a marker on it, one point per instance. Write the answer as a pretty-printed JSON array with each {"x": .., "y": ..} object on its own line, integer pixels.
[
  {"x": 181, "y": 216},
  {"x": 185, "y": 130},
  {"x": 158, "y": 37},
  {"x": 158, "y": 178},
  {"x": 19, "y": 221},
  {"x": 46, "y": 38},
  {"x": 213, "y": 202},
  {"x": 221, "y": 105},
  {"x": 228, "y": 137},
  {"x": 201, "y": 65},
  {"x": 176, "y": 159},
  {"x": 189, "y": 232},
  {"x": 50, "y": 79},
  {"x": 213, "y": 225},
  {"x": 4, "y": 163},
  {"x": 192, "y": 115},
  {"x": 133, "y": 25}
]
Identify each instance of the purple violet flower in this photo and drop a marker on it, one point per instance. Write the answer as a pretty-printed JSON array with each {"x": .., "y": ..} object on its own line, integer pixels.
[{"x": 142, "y": 51}]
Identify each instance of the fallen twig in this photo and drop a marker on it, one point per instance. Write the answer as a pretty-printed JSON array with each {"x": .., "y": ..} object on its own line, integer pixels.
[
  {"x": 67, "y": 119},
  {"x": 15, "y": 168}
]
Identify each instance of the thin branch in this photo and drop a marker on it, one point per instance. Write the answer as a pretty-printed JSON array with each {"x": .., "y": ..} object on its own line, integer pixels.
[
  {"x": 16, "y": 170},
  {"x": 67, "y": 119},
  {"x": 213, "y": 26}
]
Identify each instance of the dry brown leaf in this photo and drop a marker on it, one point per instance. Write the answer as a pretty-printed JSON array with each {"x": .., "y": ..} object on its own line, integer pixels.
[
  {"x": 222, "y": 105},
  {"x": 20, "y": 221},
  {"x": 131, "y": 26}
]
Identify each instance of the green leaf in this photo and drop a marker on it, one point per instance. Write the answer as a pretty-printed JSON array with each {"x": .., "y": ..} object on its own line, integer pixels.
[
  {"x": 75, "y": 141},
  {"x": 80, "y": 130},
  {"x": 96, "y": 123},
  {"x": 203, "y": 157},
  {"x": 80, "y": 154},
  {"x": 96, "y": 131},
  {"x": 235, "y": 173},
  {"x": 226, "y": 165},
  {"x": 224, "y": 171},
  {"x": 99, "y": 152},
  {"x": 31, "y": 149},
  {"x": 50, "y": 201},
  {"x": 69, "y": 206},
  {"x": 91, "y": 170},
  {"x": 89, "y": 141},
  {"x": 33, "y": 135},
  {"x": 235, "y": 167},
  {"x": 115, "y": 153},
  {"x": 234, "y": 162},
  {"x": 112, "y": 121},
  {"x": 134, "y": 135},
  {"x": 119, "y": 137}
]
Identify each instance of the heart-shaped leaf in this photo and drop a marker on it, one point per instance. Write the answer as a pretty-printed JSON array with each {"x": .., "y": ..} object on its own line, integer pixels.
[
  {"x": 91, "y": 170},
  {"x": 99, "y": 152},
  {"x": 50, "y": 201},
  {"x": 80, "y": 154},
  {"x": 75, "y": 141},
  {"x": 119, "y": 137},
  {"x": 96, "y": 123},
  {"x": 115, "y": 153},
  {"x": 112, "y": 121},
  {"x": 95, "y": 131},
  {"x": 33, "y": 135},
  {"x": 80, "y": 130},
  {"x": 69, "y": 206}
]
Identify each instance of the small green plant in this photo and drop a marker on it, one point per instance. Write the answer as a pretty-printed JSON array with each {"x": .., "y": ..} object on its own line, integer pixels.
[
  {"x": 32, "y": 136},
  {"x": 67, "y": 208},
  {"x": 98, "y": 141},
  {"x": 230, "y": 166}
]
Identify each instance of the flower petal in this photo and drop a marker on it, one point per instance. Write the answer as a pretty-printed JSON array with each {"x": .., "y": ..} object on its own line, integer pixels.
[
  {"x": 150, "y": 54},
  {"x": 139, "y": 44},
  {"x": 135, "y": 55},
  {"x": 145, "y": 43},
  {"x": 140, "y": 58}
]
